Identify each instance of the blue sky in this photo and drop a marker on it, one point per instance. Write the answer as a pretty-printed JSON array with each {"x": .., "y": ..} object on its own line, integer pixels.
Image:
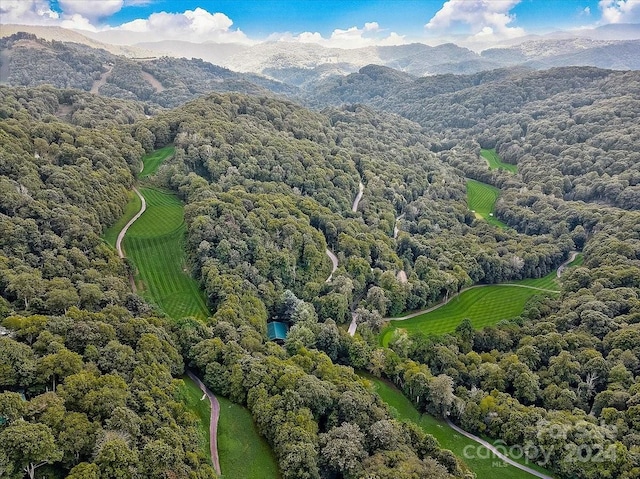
[{"x": 329, "y": 22}]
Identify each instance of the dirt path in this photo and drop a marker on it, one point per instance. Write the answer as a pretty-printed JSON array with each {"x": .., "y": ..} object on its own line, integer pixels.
[
  {"x": 213, "y": 427},
  {"x": 496, "y": 452},
  {"x": 354, "y": 325},
  {"x": 443, "y": 302},
  {"x": 564, "y": 265},
  {"x": 123, "y": 232},
  {"x": 334, "y": 263},
  {"x": 153, "y": 81},
  {"x": 95, "y": 88},
  {"x": 354, "y": 207}
]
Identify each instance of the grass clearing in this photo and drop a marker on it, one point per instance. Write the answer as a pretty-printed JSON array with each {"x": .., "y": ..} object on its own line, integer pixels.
[
  {"x": 495, "y": 163},
  {"x": 484, "y": 464},
  {"x": 153, "y": 160},
  {"x": 191, "y": 396},
  {"x": 484, "y": 306},
  {"x": 481, "y": 199},
  {"x": 155, "y": 245},
  {"x": 133, "y": 206},
  {"x": 244, "y": 454}
]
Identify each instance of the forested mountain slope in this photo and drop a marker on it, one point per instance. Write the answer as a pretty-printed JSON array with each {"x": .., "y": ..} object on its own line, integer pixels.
[
  {"x": 267, "y": 186},
  {"x": 572, "y": 131},
  {"x": 29, "y": 61}
]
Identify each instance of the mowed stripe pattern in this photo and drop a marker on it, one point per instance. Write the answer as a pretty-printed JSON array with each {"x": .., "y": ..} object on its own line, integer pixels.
[
  {"x": 483, "y": 306},
  {"x": 482, "y": 198},
  {"x": 155, "y": 244}
]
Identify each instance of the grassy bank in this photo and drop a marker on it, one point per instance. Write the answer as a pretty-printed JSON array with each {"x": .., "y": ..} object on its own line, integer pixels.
[
  {"x": 496, "y": 163},
  {"x": 477, "y": 458},
  {"x": 244, "y": 454}
]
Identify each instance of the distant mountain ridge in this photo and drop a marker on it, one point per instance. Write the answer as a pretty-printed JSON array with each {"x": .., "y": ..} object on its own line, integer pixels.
[{"x": 608, "y": 46}]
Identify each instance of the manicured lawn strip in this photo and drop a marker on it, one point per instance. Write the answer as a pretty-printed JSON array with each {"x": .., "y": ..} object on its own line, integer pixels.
[
  {"x": 133, "y": 206},
  {"x": 191, "y": 396},
  {"x": 495, "y": 162},
  {"x": 244, "y": 454},
  {"x": 481, "y": 198},
  {"x": 153, "y": 160},
  {"x": 402, "y": 409},
  {"x": 546, "y": 282},
  {"x": 484, "y": 306},
  {"x": 155, "y": 244}
]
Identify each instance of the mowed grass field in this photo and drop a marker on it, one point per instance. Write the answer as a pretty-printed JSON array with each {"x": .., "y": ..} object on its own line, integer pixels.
[
  {"x": 153, "y": 160},
  {"x": 133, "y": 206},
  {"x": 496, "y": 163},
  {"x": 191, "y": 396},
  {"x": 480, "y": 461},
  {"x": 483, "y": 305},
  {"x": 155, "y": 244},
  {"x": 244, "y": 454},
  {"x": 481, "y": 198}
]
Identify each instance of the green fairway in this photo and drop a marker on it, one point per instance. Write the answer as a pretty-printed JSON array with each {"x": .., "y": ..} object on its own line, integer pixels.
[
  {"x": 478, "y": 458},
  {"x": 153, "y": 160},
  {"x": 191, "y": 396},
  {"x": 133, "y": 206},
  {"x": 546, "y": 282},
  {"x": 495, "y": 162},
  {"x": 481, "y": 199},
  {"x": 483, "y": 305},
  {"x": 244, "y": 454},
  {"x": 155, "y": 244}
]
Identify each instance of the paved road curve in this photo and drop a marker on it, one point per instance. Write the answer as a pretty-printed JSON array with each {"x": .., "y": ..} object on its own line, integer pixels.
[
  {"x": 354, "y": 207},
  {"x": 334, "y": 263},
  {"x": 496, "y": 452},
  {"x": 564, "y": 265},
  {"x": 123, "y": 232},
  {"x": 213, "y": 427}
]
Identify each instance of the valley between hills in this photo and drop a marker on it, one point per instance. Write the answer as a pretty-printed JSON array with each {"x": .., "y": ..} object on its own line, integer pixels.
[{"x": 370, "y": 273}]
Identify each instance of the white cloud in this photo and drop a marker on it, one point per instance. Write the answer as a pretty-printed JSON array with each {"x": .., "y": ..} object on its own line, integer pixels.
[
  {"x": 481, "y": 19},
  {"x": 93, "y": 10},
  {"x": 620, "y": 11},
  {"x": 192, "y": 25},
  {"x": 27, "y": 12},
  {"x": 586, "y": 11},
  {"x": 369, "y": 35}
]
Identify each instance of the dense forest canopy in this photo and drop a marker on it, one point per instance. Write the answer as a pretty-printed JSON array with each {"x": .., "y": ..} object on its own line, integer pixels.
[{"x": 268, "y": 187}]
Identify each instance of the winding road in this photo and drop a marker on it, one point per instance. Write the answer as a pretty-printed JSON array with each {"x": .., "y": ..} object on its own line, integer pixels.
[
  {"x": 563, "y": 266},
  {"x": 213, "y": 426},
  {"x": 123, "y": 232},
  {"x": 334, "y": 263},
  {"x": 496, "y": 452},
  {"x": 358, "y": 197}
]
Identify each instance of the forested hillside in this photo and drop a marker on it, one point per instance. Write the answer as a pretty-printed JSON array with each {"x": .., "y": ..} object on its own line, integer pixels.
[
  {"x": 270, "y": 192},
  {"x": 27, "y": 60},
  {"x": 570, "y": 130}
]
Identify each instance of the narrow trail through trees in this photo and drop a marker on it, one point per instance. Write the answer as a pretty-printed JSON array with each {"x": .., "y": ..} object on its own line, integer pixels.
[
  {"x": 358, "y": 197},
  {"x": 334, "y": 263},
  {"x": 563, "y": 266}
]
